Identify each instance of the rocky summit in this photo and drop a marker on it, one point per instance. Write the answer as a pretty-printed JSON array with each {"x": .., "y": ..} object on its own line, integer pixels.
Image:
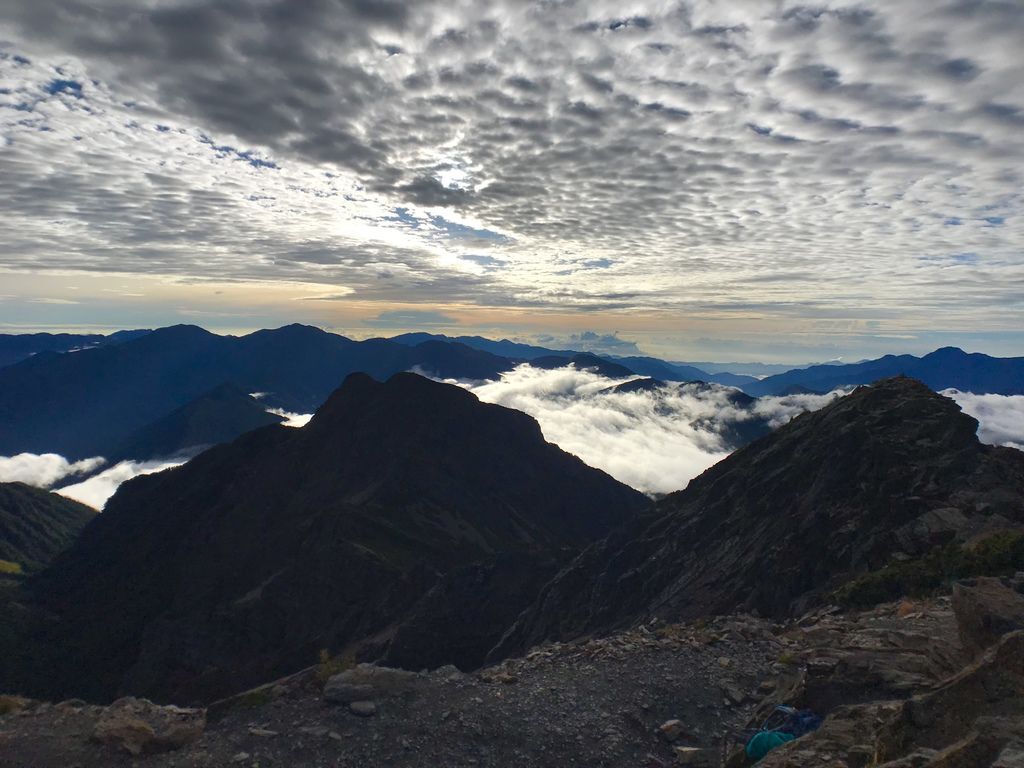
[
  {"x": 886, "y": 474},
  {"x": 256, "y": 556}
]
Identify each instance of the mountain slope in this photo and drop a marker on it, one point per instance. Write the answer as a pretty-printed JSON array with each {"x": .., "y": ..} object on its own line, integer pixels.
[
  {"x": 36, "y": 525},
  {"x": 502, "y": 347},
  {"x": 891, "y": 470},
  {"x": 251, "y": 558},
  {"x": 91, "y": 402},
  {"x": 584, "y": 361},
  {"x": 218, "y": 416},
  {"x": 944, "y": 368},
  {"x": 15, "y": 347}
]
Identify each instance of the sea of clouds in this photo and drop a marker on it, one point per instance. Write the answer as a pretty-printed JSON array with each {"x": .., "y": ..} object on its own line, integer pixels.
[
  {"x": 1000, "y": 417},
  {"x": 658, "y": 441},
  {"x": 83, "y": 481},
  {"x": 53, "y": 472},
  {"x": 655, "y": 441}
]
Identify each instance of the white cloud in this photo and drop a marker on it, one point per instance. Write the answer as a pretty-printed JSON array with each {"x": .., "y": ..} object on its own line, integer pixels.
[
  {"x": 1000, "y": 417},
  {"x": 291, "y": 419},
  {"x": 43, "y": 470},
  {"x": 655, "y": 441},
  {"x": 779, "y": 410},
  {"x": 98, "y": 489}
]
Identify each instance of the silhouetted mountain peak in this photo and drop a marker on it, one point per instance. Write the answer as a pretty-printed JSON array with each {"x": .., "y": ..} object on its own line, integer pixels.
[
  {"x": 217, "y": 416},
  {"x": 242, "y": 563},
  {"x": 415, "y": 411},
  {"x": 181, "y": 332},
  {"x": 295, "y": 332}
]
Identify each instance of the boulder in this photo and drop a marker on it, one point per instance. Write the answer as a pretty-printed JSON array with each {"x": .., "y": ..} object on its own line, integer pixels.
[
  {"x": 986, "y": 609},
  {"x": 141, "y": 727},
  {"x": 367, "y": 682},
  {"x": 673, "y": 730},
  {"x": 363, "y": 708}
]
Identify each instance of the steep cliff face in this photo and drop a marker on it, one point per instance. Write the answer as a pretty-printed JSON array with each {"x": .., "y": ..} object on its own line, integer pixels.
[
  {"x": 891, "y": 470},
  {"x": 245, "y": 562}
]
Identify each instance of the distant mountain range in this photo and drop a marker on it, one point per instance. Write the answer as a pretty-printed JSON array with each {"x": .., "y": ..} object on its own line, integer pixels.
[
  {"x": 92, "y": 402},
  {"x": 248, "y": 560},
  {"x": 15, "y": 347},
  {"x": 115, "y": 395},
  {"x": 638, "y": 365},
  {"x": 944, "y": 368}
]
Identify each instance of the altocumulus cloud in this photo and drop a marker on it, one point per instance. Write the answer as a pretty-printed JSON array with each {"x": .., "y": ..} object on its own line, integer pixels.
[{"x": 836, "y": 158}]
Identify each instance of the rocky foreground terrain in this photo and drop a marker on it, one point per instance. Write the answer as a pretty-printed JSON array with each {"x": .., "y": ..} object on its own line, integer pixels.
[{"x": 938, "y": 682}]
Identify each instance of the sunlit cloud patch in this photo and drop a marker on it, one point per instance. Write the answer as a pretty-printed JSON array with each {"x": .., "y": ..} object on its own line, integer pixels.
[
  {"x": 655, "y": 441},
  {"x": 97, "y": 490}
]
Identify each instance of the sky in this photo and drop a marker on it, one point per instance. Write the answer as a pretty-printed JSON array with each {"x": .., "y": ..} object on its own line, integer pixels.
[{"x": 751, "y": 180}]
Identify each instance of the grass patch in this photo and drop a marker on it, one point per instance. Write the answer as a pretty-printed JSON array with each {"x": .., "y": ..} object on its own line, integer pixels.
[
  {"x": 12, "y": 704},
  {"x": 256, "y": 698},
  {"x": 998, "y": 555},
  {"x": 9, "y": 568},
  {"x": 328, "y": 666}
]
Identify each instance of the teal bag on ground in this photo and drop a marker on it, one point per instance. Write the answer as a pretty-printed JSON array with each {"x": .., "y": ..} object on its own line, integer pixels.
[{"x": 764, "y": 742}]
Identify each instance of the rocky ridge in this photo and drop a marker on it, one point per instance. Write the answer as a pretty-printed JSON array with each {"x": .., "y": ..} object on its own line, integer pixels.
[
  {"x": 898, "y": 686},
  {"x": 889, "y": 472}
]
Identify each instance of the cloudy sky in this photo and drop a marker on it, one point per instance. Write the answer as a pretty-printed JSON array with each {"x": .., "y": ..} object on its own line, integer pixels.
[{"x": 711, "y": 180}]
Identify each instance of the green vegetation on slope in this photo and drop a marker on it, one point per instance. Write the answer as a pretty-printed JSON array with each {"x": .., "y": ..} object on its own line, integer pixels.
[{"x": 997, "y": 555}]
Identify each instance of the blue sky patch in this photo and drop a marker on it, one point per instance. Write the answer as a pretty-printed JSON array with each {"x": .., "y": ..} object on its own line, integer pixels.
[
  {"x": 462, "y": 232},
  {"x": 72, "y": 87}
]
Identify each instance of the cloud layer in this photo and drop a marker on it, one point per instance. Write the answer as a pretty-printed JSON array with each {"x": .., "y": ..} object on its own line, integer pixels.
[
  {"x": 1000, "y": 417},
  {"x": 842, "y": 162},
  {"x": 48, "y": 470},
  {"x": 655, "y": 441},
  {"x": 44, "y": 470},
  {"x": 96, "y": 490}
]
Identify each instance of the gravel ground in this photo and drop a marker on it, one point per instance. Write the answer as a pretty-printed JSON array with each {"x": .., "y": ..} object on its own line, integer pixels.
[{"x": 592, "y": 703}]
